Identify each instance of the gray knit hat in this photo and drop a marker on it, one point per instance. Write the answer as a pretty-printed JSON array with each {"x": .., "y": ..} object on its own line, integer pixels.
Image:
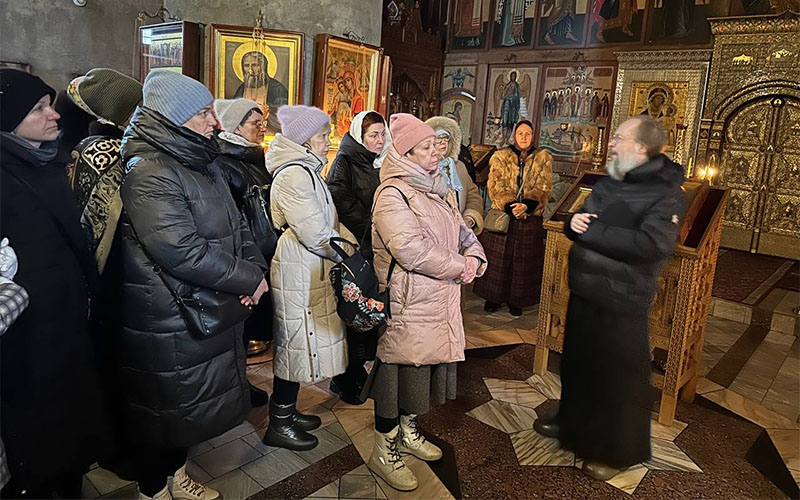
[
  {"x": 177, "y": 97},
  {"x": 299, "y": 123},
  {"x": 109, "y": 94},
  {"x": 231, "y": 112}
]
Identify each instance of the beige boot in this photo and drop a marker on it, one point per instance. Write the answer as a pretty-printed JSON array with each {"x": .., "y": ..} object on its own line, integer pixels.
[
  {"x": 161, "y": 495},
  {"x": 415, "y": 443},
  {"x": 388, "y": 464},
  {"x": 186, "y": 488}
]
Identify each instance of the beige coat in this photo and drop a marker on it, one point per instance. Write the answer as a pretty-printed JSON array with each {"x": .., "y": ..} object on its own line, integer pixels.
[
  {"x": 309, "y": 335},
  {"x": 430, "y": 241},
  {"x": 470, "y": 202},
  {"x": 504, "y": 178}
]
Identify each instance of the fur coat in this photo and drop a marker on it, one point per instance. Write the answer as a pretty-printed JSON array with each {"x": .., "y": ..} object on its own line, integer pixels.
[{"x": 504, "y": 179}]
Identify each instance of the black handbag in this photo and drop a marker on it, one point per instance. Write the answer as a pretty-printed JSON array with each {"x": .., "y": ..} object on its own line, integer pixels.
[
  {"x": 255, "y": 209},
  {"x": 206, "y": 312},
  {"x": 358, "y": 302}
]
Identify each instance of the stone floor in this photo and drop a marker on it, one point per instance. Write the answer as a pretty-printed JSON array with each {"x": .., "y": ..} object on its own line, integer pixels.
[{"x": 750, "y": 387}]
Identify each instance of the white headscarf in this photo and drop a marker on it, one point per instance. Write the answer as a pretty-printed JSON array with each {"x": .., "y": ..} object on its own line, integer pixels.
[{"x": 356, "y": 133}]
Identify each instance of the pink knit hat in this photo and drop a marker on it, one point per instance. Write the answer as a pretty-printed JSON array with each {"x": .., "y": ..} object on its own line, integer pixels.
[
  {"x": 408, "y": 131},
  {"x": 299, "y": 123}
]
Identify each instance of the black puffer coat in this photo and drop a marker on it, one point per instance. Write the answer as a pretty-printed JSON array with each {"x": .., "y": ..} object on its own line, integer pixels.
[
  {"x": 243, "y": 167},
  {"x": 352, "y": 186},
  {"x": 616, "y": 262},
  {"x": 53, "y": 415},
  {"x": 179, "y": 390}
]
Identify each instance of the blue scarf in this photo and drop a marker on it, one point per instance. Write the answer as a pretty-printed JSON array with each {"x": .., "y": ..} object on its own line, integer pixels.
[{"x": 448, "y": 168}]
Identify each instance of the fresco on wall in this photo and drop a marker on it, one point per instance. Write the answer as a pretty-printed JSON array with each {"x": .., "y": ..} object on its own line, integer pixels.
[
  {"x": 470, "y": 22},
  {"x": 562, "y": 23},
  {"x": 616, "y": 21},
  {"x": 684, "y": 21},
  {"x": 576, "y": 100},
  {"x": 459, "y": 77},
  {"x": 513, "y": 23},
  {"x": 510, "y": 98},
  {"x": 459, "y": 107}
]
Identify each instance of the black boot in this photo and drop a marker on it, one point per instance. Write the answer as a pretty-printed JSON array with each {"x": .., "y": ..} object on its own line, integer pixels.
[
  {"x": 347, "y": 389},
  {"x": 258, "y": 398},
  {"x": 283, "y": 432},
  {"x": 547, "y": 427},
  {"x": 515, "y": 311},
  {"x": 491, "y": 307},
  {"x": 307, "y": 422}
]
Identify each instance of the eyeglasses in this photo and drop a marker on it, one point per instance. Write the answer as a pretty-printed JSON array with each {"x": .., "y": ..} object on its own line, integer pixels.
[
  {"x": 442, "y": 139},
  {"x": 620, "y": 138},
  {"x": 255, "y": 123}
]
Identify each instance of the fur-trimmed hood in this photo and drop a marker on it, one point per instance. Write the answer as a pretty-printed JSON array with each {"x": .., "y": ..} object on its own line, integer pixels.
[{"x": 452, "y": 128}]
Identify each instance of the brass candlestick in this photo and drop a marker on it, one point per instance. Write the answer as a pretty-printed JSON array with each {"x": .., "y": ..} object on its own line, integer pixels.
[{"x": 598, "y": 154}]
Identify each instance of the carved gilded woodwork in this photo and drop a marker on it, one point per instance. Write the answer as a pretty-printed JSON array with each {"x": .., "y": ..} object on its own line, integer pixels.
[
  {"x": 682, "y": 73},
  {"x": 750, "y": 130}
]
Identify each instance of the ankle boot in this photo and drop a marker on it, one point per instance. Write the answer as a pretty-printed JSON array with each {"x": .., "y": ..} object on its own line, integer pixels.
[
  {"x": 258, "y": 397},
  {"x": 387, "y": 463},
  {"x": 161, "y": 495},
  {"x": 601, "y": 472},
  {"x": 347, "y": 389},
  {"x": 283, "y": 432},
  {"x": 415, "y": 443},
  {"x": 186, "y": 488},
  {"x": 306, "y": 422},
  {"x": 547, "y": 427}
]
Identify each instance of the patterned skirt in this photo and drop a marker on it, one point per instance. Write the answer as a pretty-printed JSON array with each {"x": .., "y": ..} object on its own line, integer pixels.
[{"x": 516, "y": 263}]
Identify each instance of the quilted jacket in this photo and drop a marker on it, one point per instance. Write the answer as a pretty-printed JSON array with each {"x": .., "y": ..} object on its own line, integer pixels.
[
  {"x": 431, "y": 242},
  {"x": 309, "y": 336},
  {"x": 179, "y": 390},
  {"x": 616, "y": 262}
]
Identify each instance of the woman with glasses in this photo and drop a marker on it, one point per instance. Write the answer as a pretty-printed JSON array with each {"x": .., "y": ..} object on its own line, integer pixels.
[
  {"x": 241, "y": 162},
  {"x": 520, "y": 183},
  {"x": 448, "y": 146}
]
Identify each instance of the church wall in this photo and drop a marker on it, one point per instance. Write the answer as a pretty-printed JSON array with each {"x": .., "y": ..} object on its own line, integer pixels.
[
  {"x": 310, "y": 17},
  {"x": 61, "y": 40}
]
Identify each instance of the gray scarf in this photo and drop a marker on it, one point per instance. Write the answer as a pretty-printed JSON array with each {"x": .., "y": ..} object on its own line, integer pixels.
[
  {"x": 42, "y": 155},
  {"x": 437, "y": 185}
]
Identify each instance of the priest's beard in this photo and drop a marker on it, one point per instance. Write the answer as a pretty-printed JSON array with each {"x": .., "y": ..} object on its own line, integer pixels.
[{"x": 617, "y": 167}]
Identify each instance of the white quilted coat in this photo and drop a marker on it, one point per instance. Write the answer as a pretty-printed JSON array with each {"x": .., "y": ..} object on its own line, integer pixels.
[{"x": 309, "y": 336}]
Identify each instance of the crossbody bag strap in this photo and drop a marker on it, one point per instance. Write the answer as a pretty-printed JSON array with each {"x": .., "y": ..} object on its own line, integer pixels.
[{"x": 393, "y": 262}]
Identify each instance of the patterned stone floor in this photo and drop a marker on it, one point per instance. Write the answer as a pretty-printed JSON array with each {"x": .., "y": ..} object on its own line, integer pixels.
[
  {"x": 512, "y": 410},
  {"x": 493, "y": 451}
]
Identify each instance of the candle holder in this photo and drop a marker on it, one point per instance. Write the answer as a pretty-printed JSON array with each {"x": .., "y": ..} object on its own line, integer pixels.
[{"x": 598, "y": 153}]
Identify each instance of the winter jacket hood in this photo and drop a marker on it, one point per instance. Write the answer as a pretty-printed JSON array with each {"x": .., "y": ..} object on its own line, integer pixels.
[
  {"x": 284, "y": 152},
  {"x": 451, "y": 127}
]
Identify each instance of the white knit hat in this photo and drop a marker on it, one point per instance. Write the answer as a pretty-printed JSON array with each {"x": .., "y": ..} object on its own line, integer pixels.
[{"x": 231, "y": 112}]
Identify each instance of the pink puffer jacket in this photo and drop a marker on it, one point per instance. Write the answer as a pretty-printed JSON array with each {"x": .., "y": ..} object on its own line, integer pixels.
[{"x": 430, "y": 241}]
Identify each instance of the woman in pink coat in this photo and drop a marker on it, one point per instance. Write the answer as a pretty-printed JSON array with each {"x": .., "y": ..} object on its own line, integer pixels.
[{"x": 417, "y": 222}]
